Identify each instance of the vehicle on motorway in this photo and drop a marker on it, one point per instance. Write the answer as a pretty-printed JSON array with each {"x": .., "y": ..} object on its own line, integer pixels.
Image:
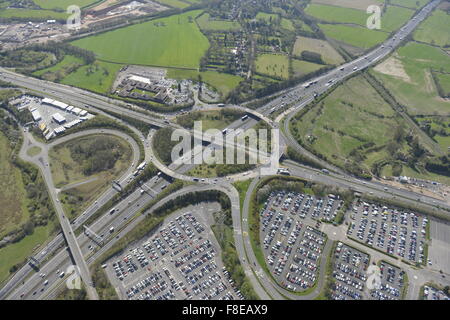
[
  {"x": 326, "y": 171},
  {"x": 112, "y": 211},
  {"x": 284, "y": 171}
]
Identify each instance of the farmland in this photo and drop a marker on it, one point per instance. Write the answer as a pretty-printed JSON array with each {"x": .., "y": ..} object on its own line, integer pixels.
[
  {"x": 175, "y": 3},
  {"x": 273, "y": 65},
  {"x": 63, "y": 4},
  {"x": 444, "y": 81},
  {"x": 355, "y": 36},
  {"x": 435, "y": 30},
  {"x": 417, "y": 90},
  {"x": 97, "y": 77},
  {"x": 348, "y": 123},
  {"x": 348, "y": 24},
  {"x": 392, "y": 19},
  {"x": 360, "y": 4},
  {"x": 31, "y": 13},
  {"x": 337, "y": 14},
  {"x": 175, "y": 41},
  {"x": 205, "y": 22},
  {"x": 410, "y": 3},
  {"x": 328, "y": 53},
  {"x": 301, "y": 68}
]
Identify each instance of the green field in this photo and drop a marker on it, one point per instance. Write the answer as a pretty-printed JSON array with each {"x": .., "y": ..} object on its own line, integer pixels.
[
  {"x": 98, "y": 77},
  {"x": 67, "y": 170},
  {"x": 29, "y": 13},
  {"x": 63, "y": 4},
  {"x": 206, "y": 23},
  {"x": 267, "y": 17},
  {"x": 337, "y": 14},
  {"x": 435, "y": 30},
  {"x": 174, "y": 41},
  {"x": 174, "y": 3},
  {"x": 301, "y": 68},
  {"x": 13, "y": 211},
  {"x": 356, "y": 36},
  {"x": 352, "y": 4},
  {"x": 352, "y": 116},
  {"x": 328, "y": 53},
  {"x": 18, "y": 252},
  {"x": 287, "y": 24},
  {"x": 444, "y": 81},
  {"x": 418, "y": 93},
  {"x": 410, "y": 3},
  {"x": 394, "y": 18},
  {"x": 60, "y": 70},
  {"x": 276, "y": 65}
]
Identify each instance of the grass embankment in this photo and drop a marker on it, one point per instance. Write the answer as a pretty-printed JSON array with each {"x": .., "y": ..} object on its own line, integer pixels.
[
  {"x": 26, "y": 215},
  {"x": 86, "y": 166}
]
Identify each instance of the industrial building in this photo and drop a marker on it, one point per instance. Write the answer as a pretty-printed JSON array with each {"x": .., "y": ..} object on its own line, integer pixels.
[
  {"x": 36, "y": 115},
  {"x": 59, "y": 119}
]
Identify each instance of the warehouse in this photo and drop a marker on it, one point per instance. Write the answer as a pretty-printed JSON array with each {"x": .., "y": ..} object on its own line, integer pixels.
[
  {"x": 76, "y": 111},
  {"x": 36, "y": 115},
  {"x": 59, "y": 119}
]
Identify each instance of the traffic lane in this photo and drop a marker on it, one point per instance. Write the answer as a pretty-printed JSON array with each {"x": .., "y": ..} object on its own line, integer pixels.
[
  {"x": 35, "y": 282},
  {"x": 66, "y": 228},
  {"x": 123, "y": 232},
  {"x": 80, "y": 100},
  {"x": 68, "y": 232},
  {"x": 103, "y": 225},
  {"x": 58, "y": 241},
  {"x": 365, "y": 187}
]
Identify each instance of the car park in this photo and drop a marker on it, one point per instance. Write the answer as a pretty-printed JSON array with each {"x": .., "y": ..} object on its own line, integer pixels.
[
  {"x": 392, "y": 230},
  {"x": 179, "y": 261},
  {"x": 292, "y": 246}
]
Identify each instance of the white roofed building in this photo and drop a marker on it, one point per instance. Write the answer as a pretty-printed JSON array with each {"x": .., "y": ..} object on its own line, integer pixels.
[
  {"x": 36, "y": 115},
  {"x": 58, "y": 118}
]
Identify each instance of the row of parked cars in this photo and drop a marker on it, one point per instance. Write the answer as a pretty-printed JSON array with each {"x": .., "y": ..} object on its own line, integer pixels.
[
  {"x": 395, "y": 232},
  {"x": 291, "y": 246},
  {"x": 349, "y": 270},
  {"x": 188, "y": 260}
]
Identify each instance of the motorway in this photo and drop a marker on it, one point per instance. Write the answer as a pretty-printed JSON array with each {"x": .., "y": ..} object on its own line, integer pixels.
[
  {"x": 81, "y": 245},
  {"x": 38, "y": 159}
]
